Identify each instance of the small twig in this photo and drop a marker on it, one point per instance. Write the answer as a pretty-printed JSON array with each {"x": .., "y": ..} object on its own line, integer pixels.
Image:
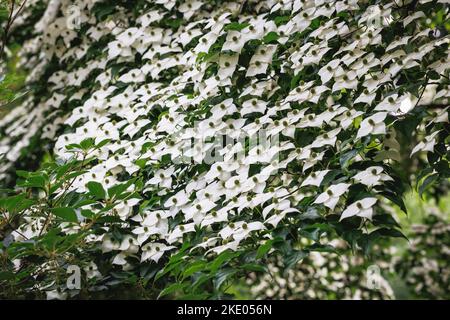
[
  {"x": 12, "y": 227},
  {"x": 11, "y": 18},
  {"x": 423, "y": 91}
]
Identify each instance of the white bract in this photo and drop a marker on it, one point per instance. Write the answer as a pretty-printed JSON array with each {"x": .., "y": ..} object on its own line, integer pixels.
[
  {"x": 361, "y": 208},
  {"x": 373, "y": 125},
  {"x": 331, "y": 196},
  {"x": 372, "y": 176},
  {"x": 224, "y": 121}
]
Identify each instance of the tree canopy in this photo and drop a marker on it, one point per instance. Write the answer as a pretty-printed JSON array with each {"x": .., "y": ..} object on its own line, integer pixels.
[{"x": 174, "y": 146}]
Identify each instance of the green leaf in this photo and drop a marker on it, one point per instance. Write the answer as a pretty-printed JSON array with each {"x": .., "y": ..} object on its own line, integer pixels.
[
  {"x": 293, "y": 258},
  {"x": 427, "y": 183},
  {"x": 254, "y": 267},
  {"x": 422, "y": 175},
  {"x": 102, "y": 143},
  {"x": 87, "y": 213},
  {"x": 395, "y": 199},
  {"x": 96, "y": 189},
  {"x": 171, "y": 289},
  {"x": 62, "y": 170},
  {"x": 103, "y": 10},
  {"x": 344, "y": 160},
  {"x": 6, "y": 275},
  {"x": 193, "y": 268},
  {"x": 387, "y": 232},
  {"x": 67, "y": 214},
  {"x": 263, "y": 249},
  {"x": 222, "y": 259},
  {"x": 222, "y": 276},
  {"x": 16, "y": 203},
  {"x": 271, "y": 37},
  {"x": 236, "y": 26},
  {"x": 22, "y": 173},
  {"x": 433, "y": 75},
  {"x": 385, "y": 219},
  {"x": 34, "y": 181},
  {"x": 281, "y": 20},
  {"x": 87, "y": 144},
  {"x": 141, "y": 163},
  {"x": 330, "y": 176},
  {"x": 175, "y": 261},
  {"x": 322, "y": 248},
  {"x": 200, "y": 296},
  {"x": 200, "y": 280},
  {"x": 118, "y": 189}
]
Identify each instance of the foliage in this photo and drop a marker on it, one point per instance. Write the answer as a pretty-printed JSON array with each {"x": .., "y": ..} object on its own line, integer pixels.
[
  {"x": 108, "y": 159},
  {"x": 324, "y": 276},
  {"x": 424, "y": 265}
]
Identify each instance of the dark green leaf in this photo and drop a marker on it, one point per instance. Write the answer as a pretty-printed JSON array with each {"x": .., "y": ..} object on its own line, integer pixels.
[
  {"x": 427, "y": 183},
  {"x": 171, "y": 289},
  {"x": 67, "y": 214},
  {"x": 96, "y": 189}
]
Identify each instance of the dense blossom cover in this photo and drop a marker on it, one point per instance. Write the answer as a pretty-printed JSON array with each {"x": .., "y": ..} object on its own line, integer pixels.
[{"x": 149, "y": 112}]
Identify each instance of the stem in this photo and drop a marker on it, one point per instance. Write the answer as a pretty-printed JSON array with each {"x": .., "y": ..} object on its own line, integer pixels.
[
  {"x": 11, "y": 18},
  {"x": 423, "y": 91}
]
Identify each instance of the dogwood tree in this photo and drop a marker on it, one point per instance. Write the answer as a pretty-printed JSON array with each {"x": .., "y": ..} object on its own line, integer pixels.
[{"x": 174, "y": 146}]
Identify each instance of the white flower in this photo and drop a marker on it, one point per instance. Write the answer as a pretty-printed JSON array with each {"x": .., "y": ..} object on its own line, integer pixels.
[
  {"x": 231, "y": 245},
  {"x": 261, "y": 60},
  {"x": 366, "y": 97},
  {"x": 154, "y": 251},
  {"x": 207, "y": 243},
  {"x": 234, "y": 41},
  {"x": 361, "y": 208},
  {"x": 215, "y": 216},
  {"x": 372, "y": 125},
  {"x": 257, "y": 67},
  {"x": 245, "y": 229},
  {"x": 328, "y": 71},
  {"x": 328, "y": 138},
  {"x": 162, "y": 177},
  {"x": 253, "y": 105},
  {"x": 346, "y": 118},
  {"x": 189, "y": 8},
  {"x": 177, "y": 200},
  {"x": 206, "y": 42},
  {"x": 179, "y": 231},
  {"x": 315, "y": 178},
  {"x": 135, "y": 76},
  {"x": 198, "y": 210},
  {"x": 224, "y": 108},
  {"x": 331, "y": 196},
  {"x": 227, "y": 65},
  {"x": 275, "y": 219},
  {"x": 109, "y": 244},
  {"x": 372, "y": 176},
  {"x": 170, "y": 87},
  {"x": 129, "y": 36},
  {"x": 427, "y": 144},
  {"x": 347, "y": 80},
  {"x": 154, "y": 222}
]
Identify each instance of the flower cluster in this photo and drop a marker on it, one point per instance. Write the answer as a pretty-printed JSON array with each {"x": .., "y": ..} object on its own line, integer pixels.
[{"x": 329, "y": 83}]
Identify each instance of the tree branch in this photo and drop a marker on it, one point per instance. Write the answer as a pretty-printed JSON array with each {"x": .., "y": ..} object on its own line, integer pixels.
[{"x": 11, "y": 18}]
